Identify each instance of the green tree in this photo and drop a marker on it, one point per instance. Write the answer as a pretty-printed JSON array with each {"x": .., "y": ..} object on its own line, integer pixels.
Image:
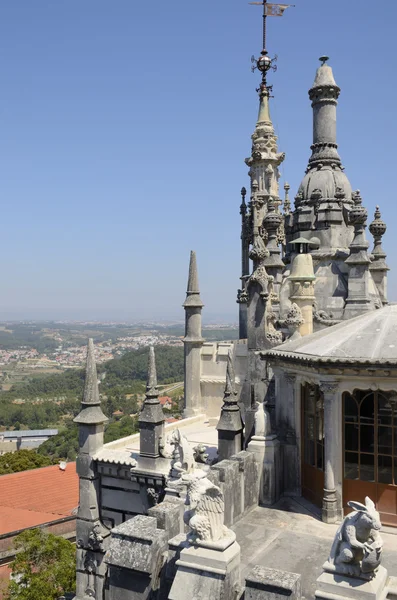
[
  {"x": 44, "y": 567},
  {"x": 22, "y": 460}
]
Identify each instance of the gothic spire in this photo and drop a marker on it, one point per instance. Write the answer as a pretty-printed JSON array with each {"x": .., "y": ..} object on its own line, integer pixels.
[
  {"x": 151, "y": 419},
  {"x": 193, "y": 291},
  {"x": 230, "y": 425},
  {"x": 91, "y": 412},
  {"x": 151, "y": 387}
]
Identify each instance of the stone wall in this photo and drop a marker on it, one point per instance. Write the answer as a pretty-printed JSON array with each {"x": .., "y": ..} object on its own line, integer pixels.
[{"x": 213, "y": 372}]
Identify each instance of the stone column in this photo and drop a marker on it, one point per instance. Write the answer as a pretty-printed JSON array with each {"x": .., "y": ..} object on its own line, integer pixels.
[
  {"x": 289, "y": 431},
  {"x": 302, "y": 286},
  {"x": 193, "y": 342},
  {"x": 332, "y": 501}
]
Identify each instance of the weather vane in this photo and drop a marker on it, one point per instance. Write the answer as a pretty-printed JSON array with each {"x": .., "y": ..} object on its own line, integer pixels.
[{"x": 264, "y": 63}]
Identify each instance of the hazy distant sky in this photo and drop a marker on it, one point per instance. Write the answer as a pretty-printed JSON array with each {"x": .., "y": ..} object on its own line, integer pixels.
[{"x": 124, "y": 125}]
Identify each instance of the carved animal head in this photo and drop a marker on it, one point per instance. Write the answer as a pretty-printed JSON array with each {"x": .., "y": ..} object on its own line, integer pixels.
[{"x": 369, "y": 516}]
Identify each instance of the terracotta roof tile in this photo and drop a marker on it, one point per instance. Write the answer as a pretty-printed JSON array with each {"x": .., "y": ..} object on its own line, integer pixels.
[{"x": 47, "y": 494}]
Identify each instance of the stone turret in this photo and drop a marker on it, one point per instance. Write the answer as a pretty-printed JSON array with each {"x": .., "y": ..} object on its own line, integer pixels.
[
  {"x": 91, "y": 534},
  {"x": 230, "y": 425},
  {"x": 358, "y": 299},
  {"x": 378, "y": 268},
  {"x": 151, "y": 418},
  {"x": 193, "y": 341},
  {"x": 325, "y": 193}
]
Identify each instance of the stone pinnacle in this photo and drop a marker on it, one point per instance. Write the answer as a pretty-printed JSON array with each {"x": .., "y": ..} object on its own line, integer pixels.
[
  {"x": 151, "y": 387},
  {"x": 230, "y": 377},
  {"x": 193, "y": 293},
  {"x": 193, "y": 284},
  {"x": 91, "y": 392}
]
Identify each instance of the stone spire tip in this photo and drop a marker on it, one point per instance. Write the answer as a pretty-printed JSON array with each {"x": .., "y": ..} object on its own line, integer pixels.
[
  {"x": 193, "y": 284},
  {"x": 152, "y": 372},
  {"x": 91, "y": 392},
  {"x": 230, "y": 376}
]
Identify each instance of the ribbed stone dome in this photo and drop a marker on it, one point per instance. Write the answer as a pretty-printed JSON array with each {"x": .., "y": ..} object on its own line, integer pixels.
[{"x": 327, "y": 180}]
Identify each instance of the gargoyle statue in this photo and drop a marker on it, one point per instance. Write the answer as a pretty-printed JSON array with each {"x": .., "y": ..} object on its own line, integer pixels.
[
  {"x": 357, "y": 547},
  {"x": 183, "y": 457},
  {"x": 200, "y": 454},
  {"x": 206, "y": 509}
]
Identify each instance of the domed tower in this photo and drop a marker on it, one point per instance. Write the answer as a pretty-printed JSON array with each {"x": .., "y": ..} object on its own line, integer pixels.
[{"x": 322, "y": 206}]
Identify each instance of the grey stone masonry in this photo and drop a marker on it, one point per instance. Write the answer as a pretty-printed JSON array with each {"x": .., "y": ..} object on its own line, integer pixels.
[
  {"x": 270, "y": 584},
  {"x": 378, "y": 267},
  {"x": 91, "y": 535},
  {"x": 134, "y": 559},
  {"x": 230, "y": 425},
  {"x": 192, "y": 341},
  {"x": 151, "y": 418},
  {"x": 358, "y": 299}
]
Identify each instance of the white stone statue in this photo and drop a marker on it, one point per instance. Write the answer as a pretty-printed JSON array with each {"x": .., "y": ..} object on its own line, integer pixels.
[
  {"x": 206, "y": 509},
  {"x": 262, "y": 421},
  {"x": 183, "y": 455},
  {"x": 357, "y": 547}
]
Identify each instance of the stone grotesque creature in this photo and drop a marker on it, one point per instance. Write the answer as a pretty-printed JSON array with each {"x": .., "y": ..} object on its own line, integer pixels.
[
  {"x": 200, "y": 454},
  {"x": 183, "y": 457},
  {"x": 357, "y": 547},
  {"x": 206, "y": 509}
]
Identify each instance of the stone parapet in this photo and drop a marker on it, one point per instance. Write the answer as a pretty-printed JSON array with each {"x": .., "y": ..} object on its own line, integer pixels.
[{"x": 271, "y": 584}]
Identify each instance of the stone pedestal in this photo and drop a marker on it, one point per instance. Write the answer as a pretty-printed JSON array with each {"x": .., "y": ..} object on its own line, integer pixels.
[
  {"x": 332, "y": 586},
  {"x": 267, "y": 454},
  {"x": 207, "y": 570},
  {"x": 270, "y": 584}
]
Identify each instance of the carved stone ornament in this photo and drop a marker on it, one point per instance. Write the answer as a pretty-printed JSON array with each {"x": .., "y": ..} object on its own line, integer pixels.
[
  {"x": 96, "y": 537},
  {"x": 183, "y": 456},
  {"x": 200, "y": 454},
  {"x": 294, "y": 320},
  {"x": 329, "y": 387},
  {"x": 258, "y": 251},
  {"x": 206, "y": 507},
  {"x": 357, "y": 547}
]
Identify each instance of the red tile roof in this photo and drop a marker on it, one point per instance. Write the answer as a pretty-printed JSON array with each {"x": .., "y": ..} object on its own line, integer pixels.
[{"x": 38, "y": 496}]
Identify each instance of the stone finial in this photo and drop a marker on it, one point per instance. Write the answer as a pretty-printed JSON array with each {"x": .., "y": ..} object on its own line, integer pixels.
[
  {"x": 91, "y": 391},
  {"x": 230, "y": 389},
  {"x": 151, "y": 419},
  {"x": 348, "y": 559},
  {"x": 193, "y": 291},
  {"x": 193, "y": 284},
  {"x": 294, "y": 320},
  {"x": 151, "y": 387},
  {"x": 243, "y": 206},
  {"x": 91, "y": 412},
  {"x": 287, "y": 202},
  {"x": 378, "y": 229}
]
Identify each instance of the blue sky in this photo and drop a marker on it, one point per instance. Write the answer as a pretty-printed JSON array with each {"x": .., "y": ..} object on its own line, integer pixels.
[{"x": 124, "y": 125}]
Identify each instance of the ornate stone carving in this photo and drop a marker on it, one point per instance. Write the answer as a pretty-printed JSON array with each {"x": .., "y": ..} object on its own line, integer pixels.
[
  {"x": 200, "y": 454},
  {"x": 321, "y": 316},
  {"x": 95, "y": 539},
  {"x": 357, "y": 547},
  {"x": 206, "y": 509},
  {"x": 294, "y": 320},
  {"x": 329, "y": 387},
  {"x": 183, "y": 457}
]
